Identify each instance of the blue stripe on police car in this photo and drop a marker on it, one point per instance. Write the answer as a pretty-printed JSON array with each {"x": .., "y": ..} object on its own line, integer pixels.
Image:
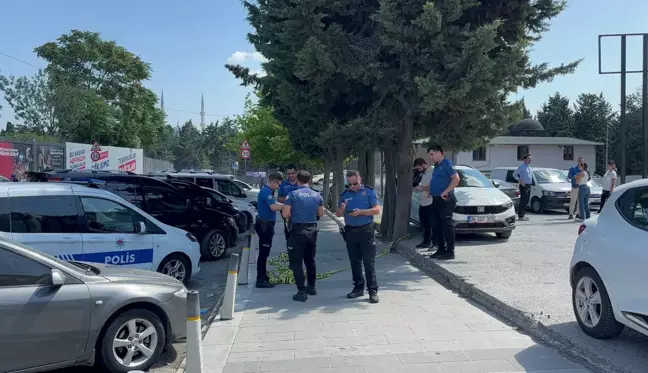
[{"x": 126, "y": 257}]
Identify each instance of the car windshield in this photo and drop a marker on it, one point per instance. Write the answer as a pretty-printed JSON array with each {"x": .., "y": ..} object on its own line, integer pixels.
[
  {"x": 470, "y": 178},
  {"x": 550, "y": 176},
  {"x": 217, "y": 196},
  {"x": 242, "y": 185}
]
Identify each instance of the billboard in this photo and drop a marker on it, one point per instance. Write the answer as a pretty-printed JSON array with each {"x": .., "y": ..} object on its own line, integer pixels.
[
  {"x": 97, "y": 157},
  {"x": 50, "y": 157},
  {"x": 15, "y": 159}
]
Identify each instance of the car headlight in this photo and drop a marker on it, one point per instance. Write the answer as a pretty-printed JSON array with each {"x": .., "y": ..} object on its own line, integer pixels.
[
  {"x": 182, "y": 293},
  {"x": 508, "y": 205},
  {"x": 252, "y": 207},
  {"x": 548, "y": 193},
  {"x": 236, "y": 208},
  {"x": 231, "y": 221},
  {"x": 191, "y": 237}
]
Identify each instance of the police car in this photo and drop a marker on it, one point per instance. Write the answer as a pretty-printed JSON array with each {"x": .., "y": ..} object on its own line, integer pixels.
[{"x": 78, "y": 223}]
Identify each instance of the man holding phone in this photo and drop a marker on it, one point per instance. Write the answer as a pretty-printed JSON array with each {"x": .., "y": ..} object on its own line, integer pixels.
[
  {"x": 358, "y": 204},
  {"x": 444, "y": 181}
]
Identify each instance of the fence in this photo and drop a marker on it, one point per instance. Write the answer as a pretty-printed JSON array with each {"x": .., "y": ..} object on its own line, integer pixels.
[{"x": 156, "y": 165}]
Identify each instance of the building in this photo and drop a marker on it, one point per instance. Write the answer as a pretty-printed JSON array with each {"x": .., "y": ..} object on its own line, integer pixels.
[{"x": 529, "y": 137}]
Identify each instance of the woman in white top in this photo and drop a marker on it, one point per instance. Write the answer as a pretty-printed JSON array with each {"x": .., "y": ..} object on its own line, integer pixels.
[
  {"x": 583, "y": 191},
  {"x": 609, "y": 181}
]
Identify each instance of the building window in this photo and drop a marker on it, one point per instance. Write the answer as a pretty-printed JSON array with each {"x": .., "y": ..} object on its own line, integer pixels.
[
  {"x": 568, "y": 153},
  {"x": 479, "y": 154},
  {"x": 523, "y": 150}
]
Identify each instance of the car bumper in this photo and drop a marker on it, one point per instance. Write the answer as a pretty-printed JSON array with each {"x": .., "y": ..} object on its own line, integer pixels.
[
  {"x": 555, "y": 203},
  {"x": 176, "y": 310},
  {"x": 500, "y": 223}
]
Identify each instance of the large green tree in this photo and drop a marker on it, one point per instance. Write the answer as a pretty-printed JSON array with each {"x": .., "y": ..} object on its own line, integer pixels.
[
  {"x": 216, "y": 139},
  {"x": 593, "y": 115},
  {"x": 188, "y": 152},
  {"x": 32, "y": 101},
  {"x": 557, "y": 116}
]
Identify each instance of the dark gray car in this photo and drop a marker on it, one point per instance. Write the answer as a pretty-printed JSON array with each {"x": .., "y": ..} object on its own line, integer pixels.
[
  {"x": 510, "y": 190},
  {"x": 56, "y": 314}
]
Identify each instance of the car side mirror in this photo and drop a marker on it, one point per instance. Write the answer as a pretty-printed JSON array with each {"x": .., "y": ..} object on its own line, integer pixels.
[
  {"x": 58, "y": 278},
  {"x": 209, "y": 201},
  {"x": 140, "y": 227},
  {"x": 243, "y": 195},
  {"x": 495, "y": 184}
]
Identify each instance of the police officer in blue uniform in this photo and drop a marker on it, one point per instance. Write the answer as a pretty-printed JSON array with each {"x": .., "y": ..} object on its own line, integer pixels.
[
  {"x": 358, "y": 204},
  {"x": 444, "y": 180},
  {"x": 303, "y": 206},
  {"x": 264, "y": 226},
  {"x": 286, "y": 187}
]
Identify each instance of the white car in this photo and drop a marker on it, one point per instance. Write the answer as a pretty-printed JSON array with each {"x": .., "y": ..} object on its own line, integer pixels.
[
  {"x": 608, "y": 267},
  {"x": 245, "y": 207},
  {"x": 481, "y": 207},
  {"x": 77, "y": 223}
]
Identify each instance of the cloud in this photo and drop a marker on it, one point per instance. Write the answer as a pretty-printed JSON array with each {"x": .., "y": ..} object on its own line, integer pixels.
[
  {"x": 240, "y": 57},
  {"x": 261, "y": 73}
]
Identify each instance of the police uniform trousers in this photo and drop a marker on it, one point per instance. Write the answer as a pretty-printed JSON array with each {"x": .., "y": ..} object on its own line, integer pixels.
[
  {"x": 361, "y": 247},
  {"x": 442, "y": 228},
  {"x": 265, "y": 229},
  {"x": 302, "y": 244}
]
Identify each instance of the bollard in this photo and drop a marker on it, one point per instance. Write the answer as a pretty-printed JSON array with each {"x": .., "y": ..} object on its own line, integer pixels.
[
  {"x": 227, "y": 309},
  {"x": 194, "y": 357},
  {"x": 245, "y": 262}
]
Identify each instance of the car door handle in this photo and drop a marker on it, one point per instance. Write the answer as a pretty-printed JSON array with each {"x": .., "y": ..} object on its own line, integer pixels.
[
  {"x": 96, "y": 239},
  {"x": 68, "y": 240}
]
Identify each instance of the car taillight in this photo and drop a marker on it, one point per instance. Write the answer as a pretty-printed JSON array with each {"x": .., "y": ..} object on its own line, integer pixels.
[
  {"x": 54, "y": 179},
  {"x": 581, "y": 229},
  {"x": 517, "y": 193}
]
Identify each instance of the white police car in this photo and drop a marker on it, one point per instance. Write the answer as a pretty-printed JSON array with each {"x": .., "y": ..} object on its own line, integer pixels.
[{"x": 78, "y": 223}]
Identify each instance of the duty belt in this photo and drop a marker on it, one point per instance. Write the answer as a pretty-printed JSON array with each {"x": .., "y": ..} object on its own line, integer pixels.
[
  {"x": 304, "y": 225},
  {"x": 361, "y": 228}
]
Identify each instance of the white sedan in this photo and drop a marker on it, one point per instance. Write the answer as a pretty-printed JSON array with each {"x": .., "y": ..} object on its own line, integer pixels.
[{"x": 608, "y": 268}]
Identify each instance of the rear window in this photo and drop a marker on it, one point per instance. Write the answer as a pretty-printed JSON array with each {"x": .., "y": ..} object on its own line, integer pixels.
[
  {"x": 205, "y": 182},
  {"x": 44, "y": 214},
  {"x": 509, "y": 177}
]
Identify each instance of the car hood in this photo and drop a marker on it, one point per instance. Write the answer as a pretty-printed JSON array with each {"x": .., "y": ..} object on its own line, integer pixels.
[
  {"x": 480, "y": 196},
  {"x": 133, "y": 275},
  {"x": 556, "y": 187}
]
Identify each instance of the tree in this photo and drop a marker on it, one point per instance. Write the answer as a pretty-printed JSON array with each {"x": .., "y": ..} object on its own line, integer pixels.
[
  {"x": 592, "y": 115},
  {"x": 557, "y": 116},
  {"x": 634, "y": 138},
  {"x": 32, "y": 101},
  {"x": 189, "y": 152},
  {"x": 217, "y": 138}
]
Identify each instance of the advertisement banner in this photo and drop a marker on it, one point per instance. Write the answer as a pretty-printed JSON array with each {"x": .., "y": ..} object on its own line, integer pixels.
[
  {"x": 97, "y": 157},
  {"x": 15, "y": 160},
  {"x": 50, "y": 157}
]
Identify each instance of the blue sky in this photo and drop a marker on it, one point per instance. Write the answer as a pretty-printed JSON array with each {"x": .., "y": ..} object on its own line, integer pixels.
[{"x": 187, "y": 44}]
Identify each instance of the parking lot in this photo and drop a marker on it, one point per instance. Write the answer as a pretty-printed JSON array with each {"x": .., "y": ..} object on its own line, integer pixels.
[{"x": 530, "y": 272}]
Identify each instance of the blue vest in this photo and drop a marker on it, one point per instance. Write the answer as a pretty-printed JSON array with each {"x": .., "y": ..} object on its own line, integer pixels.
[
  {"x": 264, "y": 200},
  {"x": 364, "y": 199},
  {"x": 304, "y": 204}
]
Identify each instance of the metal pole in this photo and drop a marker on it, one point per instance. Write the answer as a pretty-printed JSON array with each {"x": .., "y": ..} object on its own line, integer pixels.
[
  {"x": 644, "y": 116},
  {"x": 622, "y": 116},
  {"x": 194, "y": 335},
  {"x": 245, "y": 261},
  {"x": 227, "y": 309}
]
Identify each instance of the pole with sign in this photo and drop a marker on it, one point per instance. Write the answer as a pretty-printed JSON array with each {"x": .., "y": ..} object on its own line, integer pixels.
[{"x": 245, "y": 153}]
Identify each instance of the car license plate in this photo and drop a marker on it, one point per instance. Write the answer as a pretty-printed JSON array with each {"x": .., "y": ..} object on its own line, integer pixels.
[
  {"x": 595, "y": 200},
  {"x": 480, "y": 219},
  {"x": 565, "y": 204}
]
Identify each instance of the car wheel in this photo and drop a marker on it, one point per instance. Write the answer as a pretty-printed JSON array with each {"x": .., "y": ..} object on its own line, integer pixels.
[
  {"x": 176, "y": 266},
  {"x": 536, "y": 206},
  {"x": 134, "y": 340},
  {"x": 504, "y": 235},
  {"x": 214, "y": 245},
  {"x": 592, "y": 306}
]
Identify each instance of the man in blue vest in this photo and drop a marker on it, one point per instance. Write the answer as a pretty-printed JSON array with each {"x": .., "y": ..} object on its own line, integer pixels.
[
  {"x": 303, "y": 206},
  {"x": 524, "y": 176},
  {"x": 264, "y": 226},
  {"x": 286, "y": 187},
  {"x": 358, "y": 204},
  {"x": 573, "y": 197},
  {"x": 444, "y": 181}
]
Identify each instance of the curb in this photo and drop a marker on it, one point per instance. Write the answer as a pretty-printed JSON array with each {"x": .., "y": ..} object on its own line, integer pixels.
[{"x": 524, "y": 321}]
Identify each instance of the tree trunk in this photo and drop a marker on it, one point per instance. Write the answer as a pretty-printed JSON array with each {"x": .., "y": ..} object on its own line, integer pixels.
[
  {"x": 403, "y": 162},
  {"x": 370, "y": 179},
  {"x": 362, "y": 165},
  {"x": 338, "y": 176},
  {"x": 326, "y": 185},
  {"x": 389, "y": 200}
]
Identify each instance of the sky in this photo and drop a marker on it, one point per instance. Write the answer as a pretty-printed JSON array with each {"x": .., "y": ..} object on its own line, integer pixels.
[{"x": 188, "y": 43}]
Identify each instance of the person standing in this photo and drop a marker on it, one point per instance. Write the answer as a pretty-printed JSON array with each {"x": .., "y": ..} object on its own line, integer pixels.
[
  {"x": 286, "y": 187},
  {"x": 303, "y": 206},
  {"x": 425, "y": 203},
  {"x": 583, "y": 192},
  {"x": 358, "y": 204},
  {"x": 442, "y": 185},
  {"x": 264, "y": 226},
  {"x": 524, "y": 176},
  {"x": 573, "y": 197},
  {"x": 609, "y": 182}
]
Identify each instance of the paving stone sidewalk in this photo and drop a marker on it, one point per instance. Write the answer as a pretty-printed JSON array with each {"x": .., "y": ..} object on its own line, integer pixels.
[{"x": 419, "y": 326}]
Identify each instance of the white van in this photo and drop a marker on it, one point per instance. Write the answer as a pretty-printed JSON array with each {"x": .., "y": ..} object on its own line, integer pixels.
[
  {"x": 78, "y": 223},
  {"x": 550, "y": 190},
  {"x": 218, "y": 182}
]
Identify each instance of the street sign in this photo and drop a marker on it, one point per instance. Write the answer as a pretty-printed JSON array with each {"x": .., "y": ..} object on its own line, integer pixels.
[
  {"x": 94, "y": 152},
  {"x": 235, "y": 166},
  {"x": 245, "y": 154},
  {"x": 245, "y": 145}
]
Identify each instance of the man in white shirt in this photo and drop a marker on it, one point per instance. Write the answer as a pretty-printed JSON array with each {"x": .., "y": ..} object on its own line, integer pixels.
[{"x": 425, "y": 203}]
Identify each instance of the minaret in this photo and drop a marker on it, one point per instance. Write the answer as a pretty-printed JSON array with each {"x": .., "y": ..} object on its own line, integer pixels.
[
  {"x": 162, "y": 101},
  {"x": 202, "y": 112}
]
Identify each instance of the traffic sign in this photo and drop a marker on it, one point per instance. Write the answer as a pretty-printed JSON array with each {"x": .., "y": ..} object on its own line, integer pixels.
[
  {"x": 95, "y": 156},
  {"x": 245, "y": 154},
  {"x": 235, "y": 166},
  {"x": 95, "y": 147},
  {"x": 245, "y": 145}
]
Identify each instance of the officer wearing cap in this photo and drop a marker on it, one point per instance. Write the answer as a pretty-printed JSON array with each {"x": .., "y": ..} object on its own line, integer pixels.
[
  {"x": 286, "y": 187},
  {"x": 358, "y": 204},
  {"x": 303, "y": 206},
  {"x": 264, "y": 226}
]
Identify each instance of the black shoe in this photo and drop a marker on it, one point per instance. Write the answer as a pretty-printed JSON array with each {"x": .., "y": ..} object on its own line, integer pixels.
[
  {"x": 423, "y": 245},
  {"x": 310, "y": 290},
  {"x": 433, "y": 248},
  {"x": 373, "y": 297},
  {"x": 437, "y": 254},
  {"x": 355, "y": 293},
  {"x": 570, "y": 217},
  {"x": 447, "y": 255},
  {"x": 264, "y": 285},
  {"x": 300, "y": 296}
]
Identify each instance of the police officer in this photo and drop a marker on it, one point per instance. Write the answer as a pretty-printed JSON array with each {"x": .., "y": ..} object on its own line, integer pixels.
[
  {"x": 286, "y": 187},
  {"x": 444, "y": 180},
  {"x": 303, "y": 206},
  {"x": 358, "y": 204},
  {"x": 264, "y": 226}
]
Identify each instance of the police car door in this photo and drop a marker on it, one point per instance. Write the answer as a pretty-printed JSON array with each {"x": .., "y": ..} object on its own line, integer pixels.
[{"x": 111, "y": 234}]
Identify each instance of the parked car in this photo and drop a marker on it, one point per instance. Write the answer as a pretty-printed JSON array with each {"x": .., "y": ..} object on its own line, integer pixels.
[
  {"x": 608, "y": 266},
  {"x": 245, "y": 186},
  {"x": 550, "y": 189},
  {"x": 511, "y": 190},
  {"x": 74, "y": 222},
  {"x": 57, "y": 314},
  {"x": 222, "y": 183},
  {"x": 596, "y": 190},
  {"x": 216, "y": 231},
  {"x": 247, "y": 208},
  {"x": 481, "y": 207}
]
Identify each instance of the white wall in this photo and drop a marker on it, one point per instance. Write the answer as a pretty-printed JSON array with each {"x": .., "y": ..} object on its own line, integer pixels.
[
  {"x": 78, "y": 157},
  {"x": 542, "y": 155}
]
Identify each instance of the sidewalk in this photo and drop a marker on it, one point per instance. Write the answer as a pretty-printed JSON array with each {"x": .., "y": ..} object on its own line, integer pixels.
[{"x": 419, "y": 326}]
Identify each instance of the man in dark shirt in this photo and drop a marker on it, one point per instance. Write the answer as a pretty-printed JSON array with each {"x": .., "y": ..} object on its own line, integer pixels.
[
  {"x": 286, "y": 187},
  {"x": 267, "y": 209},
  {"x": 444, "y": 180}
]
